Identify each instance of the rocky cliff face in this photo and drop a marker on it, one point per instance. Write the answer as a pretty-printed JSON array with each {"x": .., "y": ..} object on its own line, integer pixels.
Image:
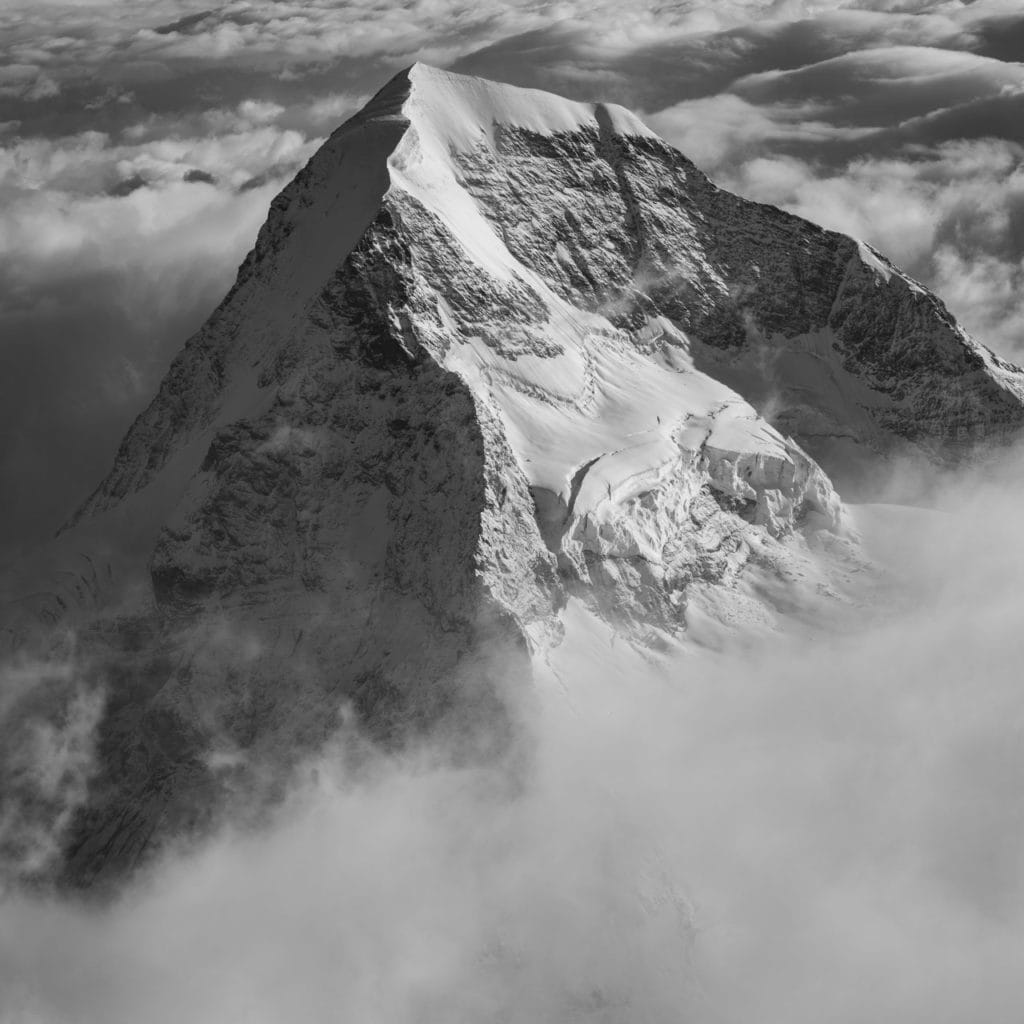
[{"x": 492, "y": 350}]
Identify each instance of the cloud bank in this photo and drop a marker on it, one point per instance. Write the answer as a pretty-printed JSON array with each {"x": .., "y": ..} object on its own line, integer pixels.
[{"x": 816, "y": 827}]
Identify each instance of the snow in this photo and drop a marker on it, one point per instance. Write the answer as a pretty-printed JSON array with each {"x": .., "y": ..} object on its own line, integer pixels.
[
  {"x": 595, "y": 408},
  {"x": 450, "y": 113},
  {"x": 884, "y": 269},
  {"x": 635, "y": 419},
  {"x": 871, "y": 259},
  {"x": 595, "y": 416},
  {"x": 600, "y": 400},
  {"x": 463, "y": 111}
]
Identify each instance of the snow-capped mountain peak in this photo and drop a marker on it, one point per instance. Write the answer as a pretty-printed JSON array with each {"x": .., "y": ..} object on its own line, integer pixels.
[
  {"x": 493, "y": 350},
  {"x": 457, "y": 111}
]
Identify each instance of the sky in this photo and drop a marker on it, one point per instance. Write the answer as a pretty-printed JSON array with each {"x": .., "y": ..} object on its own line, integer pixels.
[
  {"x": 142, "y": 140},
  {"x": 824, "y": 832}
]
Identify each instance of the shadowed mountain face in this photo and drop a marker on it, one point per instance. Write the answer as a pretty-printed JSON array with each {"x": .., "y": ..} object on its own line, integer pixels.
[{"x": 493, "y": 349}]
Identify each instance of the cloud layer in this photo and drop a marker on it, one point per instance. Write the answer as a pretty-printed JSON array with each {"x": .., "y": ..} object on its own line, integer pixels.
[{"x": 815, "y": 828}]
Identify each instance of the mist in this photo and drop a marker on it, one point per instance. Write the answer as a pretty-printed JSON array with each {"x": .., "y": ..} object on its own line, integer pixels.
[{"x": 825, "y": 825}]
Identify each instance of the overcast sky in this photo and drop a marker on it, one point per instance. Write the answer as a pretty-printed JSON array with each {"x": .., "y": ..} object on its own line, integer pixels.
[{"x": 143, "y": 139}]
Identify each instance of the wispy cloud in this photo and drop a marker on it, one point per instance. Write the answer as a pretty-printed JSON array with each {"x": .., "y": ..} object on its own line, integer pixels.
[{"x": 48, "y": 720}]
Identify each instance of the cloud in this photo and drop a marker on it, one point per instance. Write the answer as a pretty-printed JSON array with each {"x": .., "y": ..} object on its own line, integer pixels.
[
  {"x": 739, "y": 37},
  {"x": 857, "y": 830},
  {"x": 885, "y": 86},
  {"x": 987, "y": 293},
  {"x": 652, "y": 61},
  {"x": 722, "y": 131},
  {"x": 48, "y": 720},
  {"x": 28, "y": 82},
  {"x": 815, "y": 828}
]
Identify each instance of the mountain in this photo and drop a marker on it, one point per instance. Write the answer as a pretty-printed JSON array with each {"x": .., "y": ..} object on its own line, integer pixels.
[{"x": 493, "y": 351}]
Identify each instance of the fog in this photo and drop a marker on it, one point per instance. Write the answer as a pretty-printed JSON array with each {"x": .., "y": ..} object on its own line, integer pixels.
[{"x": 824, "y": 826}]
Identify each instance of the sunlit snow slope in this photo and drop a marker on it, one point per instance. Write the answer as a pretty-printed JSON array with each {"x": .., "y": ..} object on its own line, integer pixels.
[{"x": 492, "y": 349}]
